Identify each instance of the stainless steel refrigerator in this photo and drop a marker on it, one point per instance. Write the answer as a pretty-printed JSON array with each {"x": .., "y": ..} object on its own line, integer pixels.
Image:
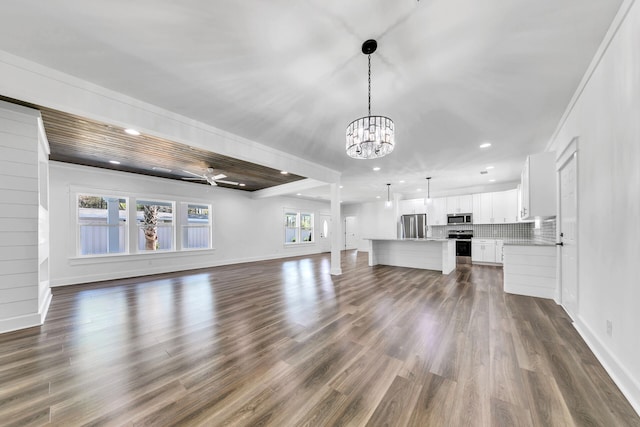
[{"x": 413, "y": 226}]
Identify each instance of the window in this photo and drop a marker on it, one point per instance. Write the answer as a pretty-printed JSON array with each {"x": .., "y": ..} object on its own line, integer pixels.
[
  {"x": 155, "y": 225},
  {"x": 291, "y": 227},
  {"x": 102, "y": 224},
  {"x": 196, "y": 228},
  {"x": 298, "y": 227},
  {"x": 306, "y": 227}
]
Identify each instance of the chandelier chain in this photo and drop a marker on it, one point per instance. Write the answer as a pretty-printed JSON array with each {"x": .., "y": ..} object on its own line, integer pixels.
[{"x": 369, "y": 85}]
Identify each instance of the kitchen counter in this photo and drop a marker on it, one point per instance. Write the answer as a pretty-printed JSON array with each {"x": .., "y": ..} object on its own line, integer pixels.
[
  {"x": 429, "y": 253},
  {"x": 525, "y": 242}
]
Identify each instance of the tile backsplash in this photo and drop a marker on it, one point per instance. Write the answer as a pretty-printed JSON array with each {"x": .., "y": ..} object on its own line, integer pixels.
[{"x": 520, "y": 231}]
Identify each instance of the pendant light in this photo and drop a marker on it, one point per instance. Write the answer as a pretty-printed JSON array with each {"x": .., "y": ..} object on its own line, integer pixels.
[
  {"x": 388, "y": 203},
  {"x": 370, "y": 137},
  {"x": 428, "y": 200}
]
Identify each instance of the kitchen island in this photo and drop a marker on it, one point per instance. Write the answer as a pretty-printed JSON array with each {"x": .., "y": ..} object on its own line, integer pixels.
[{"x": 429, "y": 254}]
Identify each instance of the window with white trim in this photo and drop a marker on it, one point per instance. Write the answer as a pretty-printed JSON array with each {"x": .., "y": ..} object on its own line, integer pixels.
[
  {"x": 298, "y": 227},
  {"x": 102, "y": 224},
  {"x": 196, "y": 226},
  {"x": 155, "y": 225}
]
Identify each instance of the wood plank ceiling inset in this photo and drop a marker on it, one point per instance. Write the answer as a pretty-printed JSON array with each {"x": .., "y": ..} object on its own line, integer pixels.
[{"x": 78, "y": 140}]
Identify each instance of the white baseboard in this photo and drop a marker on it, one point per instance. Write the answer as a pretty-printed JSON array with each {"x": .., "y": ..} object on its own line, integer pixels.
[
  {"x": 160, "y": 269},
  {"x": 27, "y": 320},
  {"x": 19, "y": 322},
  {"x": 44, "y": 307},
  {"x": 629, "y": 387},
  {"x": 530, "y": 291}
]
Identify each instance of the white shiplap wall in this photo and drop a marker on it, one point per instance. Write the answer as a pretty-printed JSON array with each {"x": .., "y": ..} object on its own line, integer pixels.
[{"x": 22, "y": 300}]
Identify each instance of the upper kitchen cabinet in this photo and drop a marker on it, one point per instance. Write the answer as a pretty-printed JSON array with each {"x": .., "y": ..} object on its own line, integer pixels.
[
  {"x": 482, "y": 208},
  {"x": 437, "y": 211},
  {"x": 459, "y": 204},
  {"x": 495, "y": 208},
  {"x": 412, "y": 206},
  {"x": 505, "y": 207},
  {"x": 538, "y": 187}
]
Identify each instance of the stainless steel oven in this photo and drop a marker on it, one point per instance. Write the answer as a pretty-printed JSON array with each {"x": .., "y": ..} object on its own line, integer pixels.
[{"x": 463, "y": 241}]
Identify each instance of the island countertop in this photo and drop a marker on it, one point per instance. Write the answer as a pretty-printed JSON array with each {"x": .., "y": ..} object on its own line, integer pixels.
[
  {"x": 426, "y": 253},
  {"x": 400, "y": 239}
]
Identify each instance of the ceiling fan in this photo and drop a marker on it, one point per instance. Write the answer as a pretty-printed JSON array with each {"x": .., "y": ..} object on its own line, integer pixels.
[{"x": 210, "y": 177}]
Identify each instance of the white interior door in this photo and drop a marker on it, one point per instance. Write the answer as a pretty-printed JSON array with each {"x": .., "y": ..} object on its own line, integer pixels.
[
  {"x": 350, "y": 238},
  {"x": 569, "y": 235},
  {"x": 325, "y": 233}
]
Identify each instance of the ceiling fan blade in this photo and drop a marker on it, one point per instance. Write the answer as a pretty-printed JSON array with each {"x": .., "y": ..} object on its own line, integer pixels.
[
  {"x": 194, "y": 174},
  {"x": 193, "y": 179},
  {"x": 219, "y": 176},
  {"x": 226, "y": 182}
]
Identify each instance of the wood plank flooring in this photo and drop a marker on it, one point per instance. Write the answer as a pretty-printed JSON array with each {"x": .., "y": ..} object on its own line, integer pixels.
[{"x": 283, "y": 343}]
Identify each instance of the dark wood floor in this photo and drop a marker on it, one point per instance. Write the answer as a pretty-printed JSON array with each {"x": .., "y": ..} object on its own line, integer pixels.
[{"x": 283, "y": 343}]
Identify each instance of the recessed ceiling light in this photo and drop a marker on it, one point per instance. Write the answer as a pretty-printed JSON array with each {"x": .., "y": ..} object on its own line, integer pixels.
[
  {"x": 114, "y": 162},
  {"x": 490, "y": 167},
  {"x": 419, "y": 189},
  {"x": 299, "y": 194},
  {"x": 377, "y": 197},
  {"x": 402, "y": 181},
  {"x": 376, "y": 169},
  {"x": 492, "y": 180},
  {"x": 242, "y": 185},
  {"x": 342, "y": 186},
  {"x": 485, "y": 145},
  {"x": 132, "y": 132},
  {"x": 284, "y": 172},
  {"x": 159, "y": 169}
]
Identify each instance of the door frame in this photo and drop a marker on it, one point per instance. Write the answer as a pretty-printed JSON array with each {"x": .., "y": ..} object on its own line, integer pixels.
[{"x": 569, "y": 152}]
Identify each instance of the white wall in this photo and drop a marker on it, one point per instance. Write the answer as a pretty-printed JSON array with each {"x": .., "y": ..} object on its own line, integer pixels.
[
  {"x": 245, "y": 229},
  {"x": 606, "y": 120},
  {"x": 374, "y": 220}
]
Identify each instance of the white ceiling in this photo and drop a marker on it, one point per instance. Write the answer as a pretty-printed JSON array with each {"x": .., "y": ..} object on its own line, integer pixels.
[{"x": 451, "y": 73}]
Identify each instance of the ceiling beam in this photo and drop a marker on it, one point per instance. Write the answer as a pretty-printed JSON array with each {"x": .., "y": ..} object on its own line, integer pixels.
[{"x": 287, "y": 189}]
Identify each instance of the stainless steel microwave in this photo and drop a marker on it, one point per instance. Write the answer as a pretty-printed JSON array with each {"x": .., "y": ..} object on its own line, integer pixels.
[{"x": 459, "y": 219}]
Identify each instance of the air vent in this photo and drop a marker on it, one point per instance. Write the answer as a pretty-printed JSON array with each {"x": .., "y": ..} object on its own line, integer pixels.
[{"x": 483, "y": 172}]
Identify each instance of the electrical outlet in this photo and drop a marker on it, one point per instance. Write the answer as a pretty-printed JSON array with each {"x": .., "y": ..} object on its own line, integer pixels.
[{"x": 609, "y": 327}]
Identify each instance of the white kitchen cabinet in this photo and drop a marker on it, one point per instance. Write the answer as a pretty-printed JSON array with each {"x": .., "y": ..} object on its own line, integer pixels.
[
  {"x": 499, "y": 251},
  {"x": 459, "y": 204},
  {"x": 483, "y": 250},
  {"x": 505, "y": 207},
  {"x": 538, "y": 186},
  {"x": 482, "y": 208},
  {"x": 437, "y": 211},
  {"x": 406, "y": 207},
  {"x": 412, "y": 206},
  {"x": 495, "y": 208},
  {"x": 420, "y": 206}
]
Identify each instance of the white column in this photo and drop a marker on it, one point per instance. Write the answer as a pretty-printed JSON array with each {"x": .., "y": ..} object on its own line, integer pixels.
[
  {"x": 24, "y": 220},
  {"x": 336, "y": 229}
]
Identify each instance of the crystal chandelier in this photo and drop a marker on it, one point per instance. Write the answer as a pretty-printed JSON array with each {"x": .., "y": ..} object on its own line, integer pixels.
[{"x": 370, "y": 137}]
